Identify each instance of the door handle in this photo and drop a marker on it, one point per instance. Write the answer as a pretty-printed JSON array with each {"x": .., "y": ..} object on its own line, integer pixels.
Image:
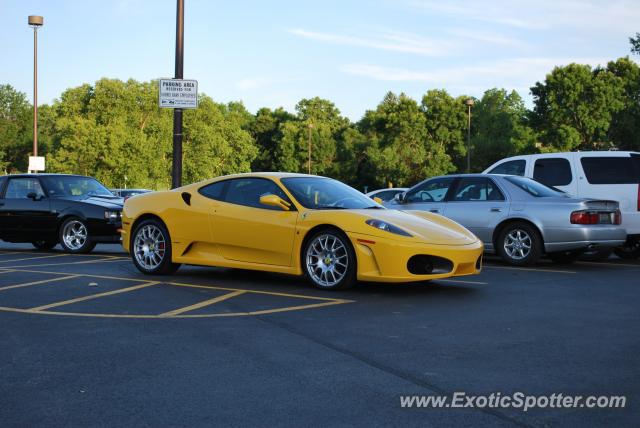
[
  {"x": 496, "y": 210},
  {"x": 434, "y": 210}
]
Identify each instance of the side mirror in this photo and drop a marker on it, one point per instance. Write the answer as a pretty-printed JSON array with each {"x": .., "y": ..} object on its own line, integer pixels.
[
  {"x": 35, "y": 196},
  {"x": 400, "y": 197},
  {"x": 378, "y": 200},
  {"x": 275, "y": 201}
]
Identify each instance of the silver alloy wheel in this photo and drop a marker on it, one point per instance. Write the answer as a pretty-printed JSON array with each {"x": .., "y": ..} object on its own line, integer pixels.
[
  {"x": 149, "y": 246},
  {"x": 74, "y": 235},
  {"x": 517, "y": 244},
  {"x": 327, "y": 260}
]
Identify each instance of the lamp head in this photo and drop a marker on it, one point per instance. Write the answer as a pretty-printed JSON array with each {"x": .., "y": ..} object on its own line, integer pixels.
[
  {"x": 36, "y": 21},
  {"x": 469, "y": 102}
]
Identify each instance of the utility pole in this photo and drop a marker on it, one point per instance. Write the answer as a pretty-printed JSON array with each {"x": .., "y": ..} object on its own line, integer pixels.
[
  {"x": 309, "y": 128},
  {"x": 469, "y": 102},
  {"x": 176, "y": 167}
]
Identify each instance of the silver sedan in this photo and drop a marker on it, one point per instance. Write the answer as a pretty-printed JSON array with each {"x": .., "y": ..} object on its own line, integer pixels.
[{"x": 517, "y": 217}]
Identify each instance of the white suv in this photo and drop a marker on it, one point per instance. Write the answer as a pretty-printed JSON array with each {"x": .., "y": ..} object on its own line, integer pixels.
[{"x": 608, "y": 175}]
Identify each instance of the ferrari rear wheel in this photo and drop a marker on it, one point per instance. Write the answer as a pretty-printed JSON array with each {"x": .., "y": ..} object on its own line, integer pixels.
[
  {"x": 329, "y": 260},
  {"x": 151, "y": 248}
]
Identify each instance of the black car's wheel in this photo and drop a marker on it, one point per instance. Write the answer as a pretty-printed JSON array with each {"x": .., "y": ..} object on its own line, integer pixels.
[
  {"x": 519, "y": 244},
  {"x": 565, "y": 257},
  {"x": 44, "y": 245},
  {"x": 629, "y": 251},
  {"x": 74, "y": 236},
  {"x": 151, "y": 248},
  {"x": 329, "y": 261}
]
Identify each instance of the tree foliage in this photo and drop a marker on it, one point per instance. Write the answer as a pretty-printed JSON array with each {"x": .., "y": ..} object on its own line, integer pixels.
[{"x": 635, "y": 44}]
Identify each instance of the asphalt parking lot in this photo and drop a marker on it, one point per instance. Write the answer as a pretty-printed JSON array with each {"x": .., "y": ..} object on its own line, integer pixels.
[{"x": 87, "y": 340}]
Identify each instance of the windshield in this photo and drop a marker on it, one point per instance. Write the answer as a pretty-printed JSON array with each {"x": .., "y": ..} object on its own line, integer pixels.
[
  {"x": 70, "y": 185},
  {"x": 535, "y": 188},
  {"x": 325, "y": 193}
]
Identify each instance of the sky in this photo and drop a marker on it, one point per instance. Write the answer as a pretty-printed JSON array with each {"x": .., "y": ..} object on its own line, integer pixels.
[{"x": 274, "y": 53}]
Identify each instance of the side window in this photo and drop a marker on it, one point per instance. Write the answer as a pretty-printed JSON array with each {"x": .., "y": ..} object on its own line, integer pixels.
[
  {"x": 552, "y": 171},
  {"x": 430, "y": 191},
  {"x": 610, "y": 170},
  {"x": 514, "y": 167},
  {"x": 387, "y": 195},
  {"x": 19, "y": 188},
  {"x": 214, "y": 190},
  {"x": 247, "y": 191},
  {"x": 477, "y": 189}
]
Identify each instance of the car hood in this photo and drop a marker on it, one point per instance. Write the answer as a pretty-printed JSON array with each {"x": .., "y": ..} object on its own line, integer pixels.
[
  {"x": 109, "y": 202},
  {"x": 424, "y": 227}
]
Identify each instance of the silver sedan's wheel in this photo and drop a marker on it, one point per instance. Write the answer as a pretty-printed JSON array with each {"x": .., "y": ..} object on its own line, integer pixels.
[
  {"x": 149, "y": 247},
  {"x": 329, "y": 260},
  {"x": 517, "y": 244}
]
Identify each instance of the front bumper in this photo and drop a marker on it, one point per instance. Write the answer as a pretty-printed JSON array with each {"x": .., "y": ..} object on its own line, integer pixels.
[
  {"x": 385, "y": 259},
  {"x": 578, "y": 237}
]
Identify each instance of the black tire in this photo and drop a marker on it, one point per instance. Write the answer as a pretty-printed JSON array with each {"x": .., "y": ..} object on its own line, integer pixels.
[
  {"x": 44, "y": 245},
  {"x": 151, "y": 248},
  {"x": 74, "y": 236},
  {"x": 629, "y": 251},
  {"x": 530, "y": 244},
  {"x": 565, "y": 257},
  {"x": 336, "y": 263},
  {"x": 598, "y": 255}
]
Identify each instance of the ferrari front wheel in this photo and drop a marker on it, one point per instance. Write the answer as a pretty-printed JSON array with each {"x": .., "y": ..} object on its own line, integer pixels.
[
  {"x": 151, "y": 248},
  {"x": 329, "y": 260}
]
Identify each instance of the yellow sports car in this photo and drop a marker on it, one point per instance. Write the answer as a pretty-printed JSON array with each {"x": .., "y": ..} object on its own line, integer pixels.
[{"x": 295, "y": 224}]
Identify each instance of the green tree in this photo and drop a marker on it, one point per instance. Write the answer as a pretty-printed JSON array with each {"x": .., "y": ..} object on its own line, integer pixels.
[
  {"x": 624, "y": 131},
  {"x": 399, "y": 150},
  {"x": 574, "y": 106},
  {"x": 266, "y": 129},
  {"x": 446, "y": 124},
  {"x": 16, "y": 132},
  {"x": 635, "y": 44},
  {"x": 500, "y": 128}
]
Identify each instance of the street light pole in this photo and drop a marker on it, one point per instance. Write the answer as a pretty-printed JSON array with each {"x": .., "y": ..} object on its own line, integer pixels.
[
  {"x": 35, "y": 22},
  {"x": 309, "y": 127},
  {"x": 176, "y": 167},
  {"x": 469, "y": 102}
]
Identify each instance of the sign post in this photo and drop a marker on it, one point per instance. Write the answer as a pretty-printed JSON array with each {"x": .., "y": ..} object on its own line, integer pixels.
[{"x": 176, "y": 167}]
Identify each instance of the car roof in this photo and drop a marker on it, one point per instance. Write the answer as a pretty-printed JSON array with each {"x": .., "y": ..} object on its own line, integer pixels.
[{"x": 47, "y": 174}]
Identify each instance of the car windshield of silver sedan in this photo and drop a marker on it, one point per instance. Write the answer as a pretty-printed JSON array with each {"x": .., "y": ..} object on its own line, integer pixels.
[
  {"x": 327, "y": 194},
  {"x": 535, "y": 188},
  {"x": 75, "y": 186}
]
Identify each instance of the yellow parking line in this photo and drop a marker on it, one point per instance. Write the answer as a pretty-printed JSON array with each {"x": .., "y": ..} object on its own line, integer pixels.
[
  {"x": 93, "y": 296},
  {"x": 298, "y": 296},
  {"x": 609, "y": 264},
  {"x": 527, "y": 269},
  {"x": 19, "y": 269},
  {"x": 44, "y": 281},
  {"x": 3, "y": 253},
  {"x": 461, "y": 281},
  {"x": 68, "y": 263},
  {"x": 6, "y": 271},
  {"x": 33, "y": 258},
  {"x": 203, "y": 304}
]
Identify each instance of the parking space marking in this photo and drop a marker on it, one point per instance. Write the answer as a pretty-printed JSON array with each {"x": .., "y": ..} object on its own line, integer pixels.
[
  {"x": 88, "y": 275},
  {"x": 203, "y": 304},
  {"x": 462, "y": 281},
  {"x": 67, "y": 263},
  {"x": 608, "y": 264},
  {"x": 92, "y": 296},
  {"x": 34, "y": 258},
  {"x": 43, "y": 281},
  {"x": 2, "y": 270},
  {"x": 529, "y": 269}
]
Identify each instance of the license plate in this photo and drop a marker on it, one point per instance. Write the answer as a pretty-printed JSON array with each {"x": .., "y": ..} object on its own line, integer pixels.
[{"x": 605, "y": 218}]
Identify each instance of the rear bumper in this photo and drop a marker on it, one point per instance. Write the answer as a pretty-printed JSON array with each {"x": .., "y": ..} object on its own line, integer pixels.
[
  {"x": 579, "y": 237},
  {"x": 385, "y": 260}
]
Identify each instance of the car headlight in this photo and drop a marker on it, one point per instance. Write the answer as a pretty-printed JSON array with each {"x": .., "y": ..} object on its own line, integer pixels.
[
  {"x": 388, "y": 227},
  {"x": 113, "y": 215}
]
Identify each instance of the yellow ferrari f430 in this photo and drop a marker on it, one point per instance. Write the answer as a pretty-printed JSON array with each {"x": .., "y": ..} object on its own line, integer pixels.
[{"x": 295, "y": 224}]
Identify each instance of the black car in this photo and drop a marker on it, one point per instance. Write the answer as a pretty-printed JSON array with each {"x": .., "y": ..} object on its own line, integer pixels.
[{"x": 74, "y": 211}]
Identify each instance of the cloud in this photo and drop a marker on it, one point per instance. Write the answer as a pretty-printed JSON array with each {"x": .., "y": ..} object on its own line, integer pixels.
[
  {"x": 514, "y": 72},
  {"x": 618, "y": 16},
  {"x": 395, "y": 42}
]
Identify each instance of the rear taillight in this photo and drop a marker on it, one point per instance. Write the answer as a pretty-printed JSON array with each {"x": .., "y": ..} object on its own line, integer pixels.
[{"x": 590, "y": 217}]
